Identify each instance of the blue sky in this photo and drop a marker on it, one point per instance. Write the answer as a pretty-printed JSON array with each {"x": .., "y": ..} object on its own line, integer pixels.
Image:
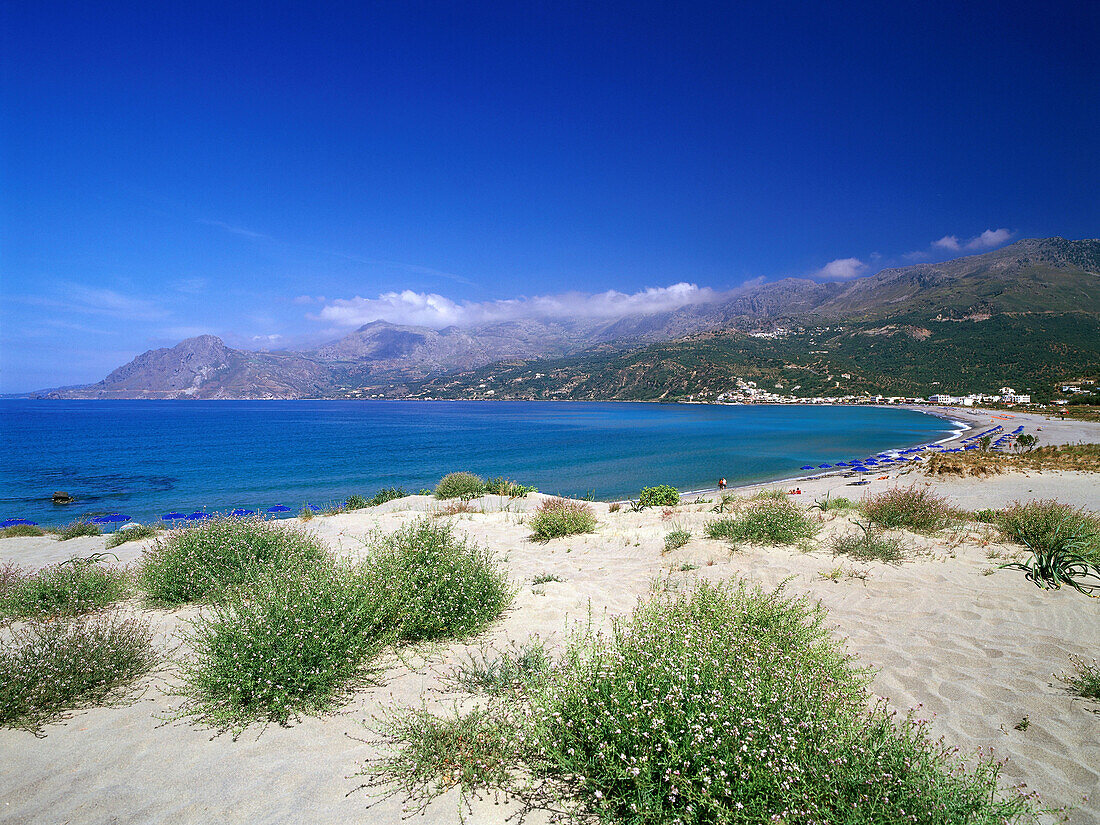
[{"x": 276, "y": 173}]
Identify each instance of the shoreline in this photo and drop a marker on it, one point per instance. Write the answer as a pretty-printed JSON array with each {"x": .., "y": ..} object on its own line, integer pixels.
[
  {"x": 964, "y": 422},
  {"x": 972, "y": 647}
]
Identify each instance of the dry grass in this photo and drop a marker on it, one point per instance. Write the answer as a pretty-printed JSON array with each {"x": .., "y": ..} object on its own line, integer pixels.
[{"x": 980, "y": 463}]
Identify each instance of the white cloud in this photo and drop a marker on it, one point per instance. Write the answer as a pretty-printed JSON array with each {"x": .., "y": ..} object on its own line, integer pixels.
[
  {"x": 842, "y": 269},
  {"x": 436, "y": 311},
  {"x": 989, "y": 239},
  {"x": 947, "y": 242}
]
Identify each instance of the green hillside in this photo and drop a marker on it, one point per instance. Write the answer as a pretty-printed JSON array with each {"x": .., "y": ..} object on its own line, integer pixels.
[{"x": 907, "y": 356}]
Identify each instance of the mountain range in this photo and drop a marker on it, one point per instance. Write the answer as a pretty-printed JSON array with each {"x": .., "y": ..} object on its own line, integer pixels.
[{"x": 1037, "y": 299}]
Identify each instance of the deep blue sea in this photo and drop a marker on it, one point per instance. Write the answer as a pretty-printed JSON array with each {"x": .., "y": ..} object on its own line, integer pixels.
[{"x": 145, "y": 458}]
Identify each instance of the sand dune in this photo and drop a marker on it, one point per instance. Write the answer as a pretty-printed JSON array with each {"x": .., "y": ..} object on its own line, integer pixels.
[{"x": 975, "y": 652}]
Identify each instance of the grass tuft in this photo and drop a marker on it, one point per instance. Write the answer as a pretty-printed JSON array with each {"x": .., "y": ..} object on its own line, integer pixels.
[
  {"x": 49, "y": 667},
  {"x": 869, "y": 545},
  {"x": 204, "y": 562},
  {"x": 502, "y": 486},
  {"x": 1086, "y": 681},
  {"x": 520, "y": 666},
  {"x": 767, "y": 521},
  {"x": 141, "y": 531},
  {"x": 557, "y": 517},
  {"x": 21, "y": 530},
  {"x": 915, "y": 508},
  {"x": 676, "y": 539},
  {"x": 76, "y": 529}
]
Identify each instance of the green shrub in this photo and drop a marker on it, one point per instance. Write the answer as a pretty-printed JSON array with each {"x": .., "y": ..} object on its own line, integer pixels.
[
  {"x": 460, "y": 485},
  {"x": 67, "y": 589},
  {"x": 767, "y": 521},
  {"x": 676, "y": 539},
  {"x": 660, "y": 496},
  {"x": 914, "y": 508},
  {"x": 986, "y": 516},
  {"x": 19, "y": 530},
  {"x": 1044, "y": 526},
  {"x": 386, "y": 494},
  {"x": 556, "y": 517},
  {"x": 356, "y": 502},
  {"x": 730, "y": 704},
  {"x": 294, "y": 642},
  {"x": 48, "y": 667},
  {"x": 75, "y": 529},
  {"x": 869, "y": 545},
  {"x": 441, "y": 586},
  {"x": 501, "y": 486},
  {"x": 722, "y": 704},
  {"x": 141, "y": 531},
  {"x": 204, "y": 562}
]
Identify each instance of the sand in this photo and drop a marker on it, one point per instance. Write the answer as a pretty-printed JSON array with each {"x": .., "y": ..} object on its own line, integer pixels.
[{"x": 973, "y": 651}]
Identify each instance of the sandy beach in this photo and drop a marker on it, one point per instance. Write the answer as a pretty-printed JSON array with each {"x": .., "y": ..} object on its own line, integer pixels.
[{"x": 973, "y": 648}]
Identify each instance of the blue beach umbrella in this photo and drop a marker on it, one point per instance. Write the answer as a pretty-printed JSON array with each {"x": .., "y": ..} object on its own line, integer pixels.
[
  {"x": 240, "y": 513},
  {"x": 824, "y": 466},
  {"x": 12, "y": 522},
  {"x": 173, "y": 516},
  {"x": 111, "y": 518},
  {"x": 278, "y": 508},
  {"x": 196, "y": 516},
  {"x": 841, "y": 464}
]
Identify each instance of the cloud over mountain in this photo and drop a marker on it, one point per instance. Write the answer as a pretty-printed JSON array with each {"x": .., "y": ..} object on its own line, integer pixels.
[{"x": 436, "y": 311}]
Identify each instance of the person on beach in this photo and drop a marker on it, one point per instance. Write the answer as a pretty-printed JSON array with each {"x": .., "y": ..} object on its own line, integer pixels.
[{"x": 721, "y": 484}]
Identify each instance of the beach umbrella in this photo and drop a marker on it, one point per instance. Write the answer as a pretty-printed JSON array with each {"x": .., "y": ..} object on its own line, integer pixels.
[
  {"x": 824, "y": 466},
  {"x": 196, "y": 516},
  {"x": 111, "y": 518},
  {"x": 841, "y": 464},
  {"x": 172, "y": 516},
  {"x": 12, "y": 522},
  {"x": 282, "y": 508},
  {"x": 240, "y": 513}
]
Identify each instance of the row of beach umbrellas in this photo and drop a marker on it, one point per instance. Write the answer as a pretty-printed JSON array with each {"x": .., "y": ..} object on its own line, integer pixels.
[{"x": 119, "y": 518}]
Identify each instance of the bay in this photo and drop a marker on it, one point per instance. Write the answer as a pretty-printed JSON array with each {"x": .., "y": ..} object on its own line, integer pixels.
[{"x": 144, "y": 458}]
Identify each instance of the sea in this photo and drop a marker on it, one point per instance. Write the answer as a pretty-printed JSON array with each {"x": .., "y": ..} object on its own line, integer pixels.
[{"x": 143, "y": 459}]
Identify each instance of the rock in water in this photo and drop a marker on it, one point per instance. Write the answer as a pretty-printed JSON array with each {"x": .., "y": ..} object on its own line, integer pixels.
[{"x": 61, "y": 497}]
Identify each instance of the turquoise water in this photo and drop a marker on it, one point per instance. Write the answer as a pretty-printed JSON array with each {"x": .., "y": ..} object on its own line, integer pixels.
[{"x": 145, "y": 458}]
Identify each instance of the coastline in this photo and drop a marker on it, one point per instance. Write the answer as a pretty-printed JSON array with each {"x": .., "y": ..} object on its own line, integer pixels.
[{"x": 970, "y": 646}]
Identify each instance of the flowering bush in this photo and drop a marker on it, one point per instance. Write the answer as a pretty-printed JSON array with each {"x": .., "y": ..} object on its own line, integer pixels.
[
  {"x": 723, "y": 704},
  {"x": 73, "y": 587},
  {"x": 202, "y": 563},
  {"x": 50, "y": 666},
  {"x": 766, "y": 521},
  {"x": 440, "y": 585},
  {"x": 293, "y": 642},
  {"x": 557, "y": 517}
]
